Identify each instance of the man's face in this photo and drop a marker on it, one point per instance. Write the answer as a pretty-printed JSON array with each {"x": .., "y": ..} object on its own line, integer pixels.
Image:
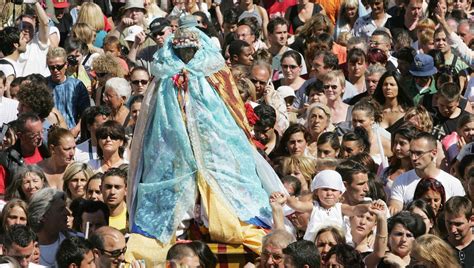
[
  {"x": 244, "y": 33},
  {"x": 33, "y": 135},
  {"x": 57, "y": 67},
  {"x": 246, "y": 56},
  {"x": 279, "y": 36},
  {"x": 114, "y": 191},
  {"x": 465, "y": 33},
  {"x": 112, "y": 255},
  {"x": 458, "y": 226},
  {"x": 229, "y": 28},
  {"x": 259, "y": 78},
  {"x": 440, "y": 42},
  {"x": 358, "y": 189},
  {"x": 377, "y": 41},
  {"x": 371, "y": 82},
  {"x": 272, "y": 257},
  {"x": 160, "y": 37},
  {"x": 415, "y": 7},
  {"x": 445, "y": 107},
  {"x": 56, "y": 216},
  {"x": 421, "y": 154},
  {"x": 24, "y": 38},
  {"x": 88, "y": 261},
  {"x": 318, "y": 68},
  {"x": 22, "y": 254},
  {"x": 95, "y": 220},
  {"x": 27, "y": 26}
]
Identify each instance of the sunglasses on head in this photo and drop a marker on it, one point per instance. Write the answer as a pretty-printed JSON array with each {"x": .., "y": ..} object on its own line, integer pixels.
[{"x": 56, "y": 67}]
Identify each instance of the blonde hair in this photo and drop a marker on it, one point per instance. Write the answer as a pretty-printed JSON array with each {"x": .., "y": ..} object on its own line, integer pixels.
[
  {"x": 92, "y": 15},
  {"x": 107, "y": 63},
  {"x": 72, "y": 170},
  {"x": 335, "y": 74},
  {"x": 56, "y": 52},
  {"x": 327, "y": 164},
  {"x": 306, "y": 165},
  {"x": 316, "y": 21},
  {"x": 432, "y": 250},
  {"x": 426, "y": 36},
  {"x": 425, "y": 24},
  {"x": 426, "y": 123},
  {"x": 83, "y": 33},
  {"x": 247, "y": 88}
]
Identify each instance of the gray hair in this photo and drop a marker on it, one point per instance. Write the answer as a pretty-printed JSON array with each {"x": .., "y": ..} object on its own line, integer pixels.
[
  {"x": 320, "y": 106},
  {"x": 120, "y": 86},
  {"x": 264, "y": 65},
  {"x": 375, "y": 69},
  {"x": 40, "y": 203},
  {"x": 278, "y": 238},
  {"x": 14, "y": 190}
]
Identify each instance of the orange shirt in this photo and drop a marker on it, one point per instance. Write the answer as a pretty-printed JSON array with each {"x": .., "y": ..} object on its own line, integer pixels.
[
  {"x": 340, "y": 52},
  {"x": 331, "y": 7}
]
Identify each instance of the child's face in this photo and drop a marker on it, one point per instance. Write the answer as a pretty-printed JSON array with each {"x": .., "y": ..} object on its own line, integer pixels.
[
  {"x": 112, "y": 49},
  {"x": 328, "y": 197},
  {"x": 317, "y": 96},
  {"x": 289, "y": 101}
]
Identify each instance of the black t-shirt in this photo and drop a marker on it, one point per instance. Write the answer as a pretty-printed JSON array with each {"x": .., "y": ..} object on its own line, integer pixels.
[
  {"x": 444, "y": 126},
  {"x": 466, "y": 255}
]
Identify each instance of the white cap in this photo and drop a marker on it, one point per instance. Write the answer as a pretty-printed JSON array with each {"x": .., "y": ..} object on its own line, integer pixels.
[
  {"x": 132, "y": 31},
  {"x": 328, "y": 179},
  {"x": 286, "y": 91}
]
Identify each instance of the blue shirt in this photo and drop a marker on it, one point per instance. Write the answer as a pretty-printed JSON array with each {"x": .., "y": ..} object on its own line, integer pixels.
[{"x": 70, "y": 98}]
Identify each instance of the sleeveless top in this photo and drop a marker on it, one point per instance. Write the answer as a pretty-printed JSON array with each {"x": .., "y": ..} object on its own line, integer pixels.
[
  {"x": 254, "y": 13},
  {"x": 295, "y": 21}
]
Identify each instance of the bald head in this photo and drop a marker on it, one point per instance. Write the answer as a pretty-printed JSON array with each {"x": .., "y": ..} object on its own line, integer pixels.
[{"x": 109, "y": 244}]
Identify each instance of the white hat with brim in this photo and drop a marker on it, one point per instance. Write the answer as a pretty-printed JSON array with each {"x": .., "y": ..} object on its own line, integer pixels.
[
  {"x": 134, "y": 4},
  {"x": 132, "y": 31},
  {"x": 328, "y": 179},
  {"x": 286, "y": 91}
]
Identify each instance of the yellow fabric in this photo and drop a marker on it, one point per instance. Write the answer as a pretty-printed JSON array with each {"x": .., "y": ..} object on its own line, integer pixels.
[
  {"x": 151, "y": 250},
  {"x": 224, "y": 225},
  {"x": 119, "y": 222}
]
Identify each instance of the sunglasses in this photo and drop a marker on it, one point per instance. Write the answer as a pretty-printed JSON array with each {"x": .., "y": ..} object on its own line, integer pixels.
[
  {"x": 137, "y": 82},
  {"x": 56, "y": 67},
  {"x": 114, "y": 253},
  {"x": 112, "y": 136},
  {"x": 255, "y": 81},
  {"x": 158, "y": 34},
  {"x": 286, "y": 66},
  {"x": 330, "y": 86}
]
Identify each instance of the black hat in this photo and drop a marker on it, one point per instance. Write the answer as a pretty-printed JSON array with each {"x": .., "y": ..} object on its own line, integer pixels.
[{"x": 158, "y": 25}]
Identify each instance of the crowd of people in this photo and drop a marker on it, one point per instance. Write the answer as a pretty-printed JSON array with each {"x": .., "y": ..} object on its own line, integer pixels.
[{"x": 136, "y": 133}]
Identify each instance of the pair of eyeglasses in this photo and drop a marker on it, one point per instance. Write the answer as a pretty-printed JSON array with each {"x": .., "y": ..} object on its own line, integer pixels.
[
  {"x": 112, "y": 137},
  {"x": 418, "y": 154},
  {"x": 289, "y": 66},
  {"x": 256, "y": 81},
  {"x": 330, "y": 86},
  {"x": 158, "y": 34},
  {"x": 137, "y": 82},
  {"x": 114, "y": 253},
  {"x": 56, "y": 67}
]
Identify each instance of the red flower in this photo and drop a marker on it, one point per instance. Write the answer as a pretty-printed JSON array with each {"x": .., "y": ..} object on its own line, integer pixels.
[{"x": 251, "y": 116}]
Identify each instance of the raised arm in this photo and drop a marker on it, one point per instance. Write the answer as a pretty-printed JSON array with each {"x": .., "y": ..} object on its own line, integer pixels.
[
  {"x": 43, "y": 20},
  {"x": 298, "y": 205},
  {"x": 380, "y": 244},
  {"x": 277, "y": 213}
]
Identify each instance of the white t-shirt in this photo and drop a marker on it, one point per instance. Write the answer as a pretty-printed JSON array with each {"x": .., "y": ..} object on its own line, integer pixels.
[
  {"x": 11, "y": 69},
  {"x": 321, "y": 217},
  {"x": 33, "y": 59},
  {"x": 404, "y": 186},
  {"x": 85, "y": 152},
  {"x": 8, "y": 110}
]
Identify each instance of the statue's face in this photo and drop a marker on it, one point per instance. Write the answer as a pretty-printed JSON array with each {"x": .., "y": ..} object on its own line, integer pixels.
[{"x": 186, "y": 54}]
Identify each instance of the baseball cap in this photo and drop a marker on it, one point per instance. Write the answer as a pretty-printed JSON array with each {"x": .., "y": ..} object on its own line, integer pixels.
[
  {"x": 132, "y": 31},
  {"x": 60, "y": 3},
  {"x": 158, "y": 25}
]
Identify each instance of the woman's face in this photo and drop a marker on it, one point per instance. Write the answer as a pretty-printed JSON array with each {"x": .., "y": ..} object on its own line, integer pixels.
[
  {"x": 112, "y": 99},
  {"x": 110, "y": 145},
  {"x": 362, "y": 224},
  {"x": 291, "y": 69},
  {"x": 64, "y": 152},
  {"x": 93, "y": 191},
  {"x": 296, "y": 144},
  {"x": 324, "y": 242},
  {"x": 434, "y": 199},
  {"x": 360, "y": 118},
  {"x": 139, "y": 82},
  {"x": 77, "y": 185},
  {"x": 401, "y": 147},
  {"x": 16, "y": 216},
  {"x": 426, "y": 220},
  {"x": 400, "y": 240},
  {"x": 351, "y": 148},
  {"x": 318, "y": 121},
  {"x": 377, "y": 6},
  {"x": 390, "y": 88},
  {"x": 31, "y": 183},
  {"x": 357, "y": 69},
  {"x": 325, "y": 150},
  {"x": 467, "y": 132},
  {"x": 136, "y": 14},
  {"x": 351, "y": 12},
  {"x": 333, "y": 90},
  {"x": 317, "y": 96}
]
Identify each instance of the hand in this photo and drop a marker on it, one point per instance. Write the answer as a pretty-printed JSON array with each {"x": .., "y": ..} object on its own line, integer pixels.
[
  {"x": 394, "y": 260},
  {"x": 278, "y": 197},
  {"x": 267, "y": 92},
  {"x": 137, "y": 264},
  {"x": 127, "y": 21},
  {"x": 461, "y": 142},
  {"x": 139, "y": 39},
  {"x": 377, "y": 210}
]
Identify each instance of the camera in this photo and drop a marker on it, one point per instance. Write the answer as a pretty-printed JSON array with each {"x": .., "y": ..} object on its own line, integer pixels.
[{"x": 72, "y": 60}]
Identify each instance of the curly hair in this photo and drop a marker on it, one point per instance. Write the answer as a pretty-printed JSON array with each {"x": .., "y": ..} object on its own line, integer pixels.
[
  {"x": 37, "y": 97},
  {"x": 107, "y": 64}
]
